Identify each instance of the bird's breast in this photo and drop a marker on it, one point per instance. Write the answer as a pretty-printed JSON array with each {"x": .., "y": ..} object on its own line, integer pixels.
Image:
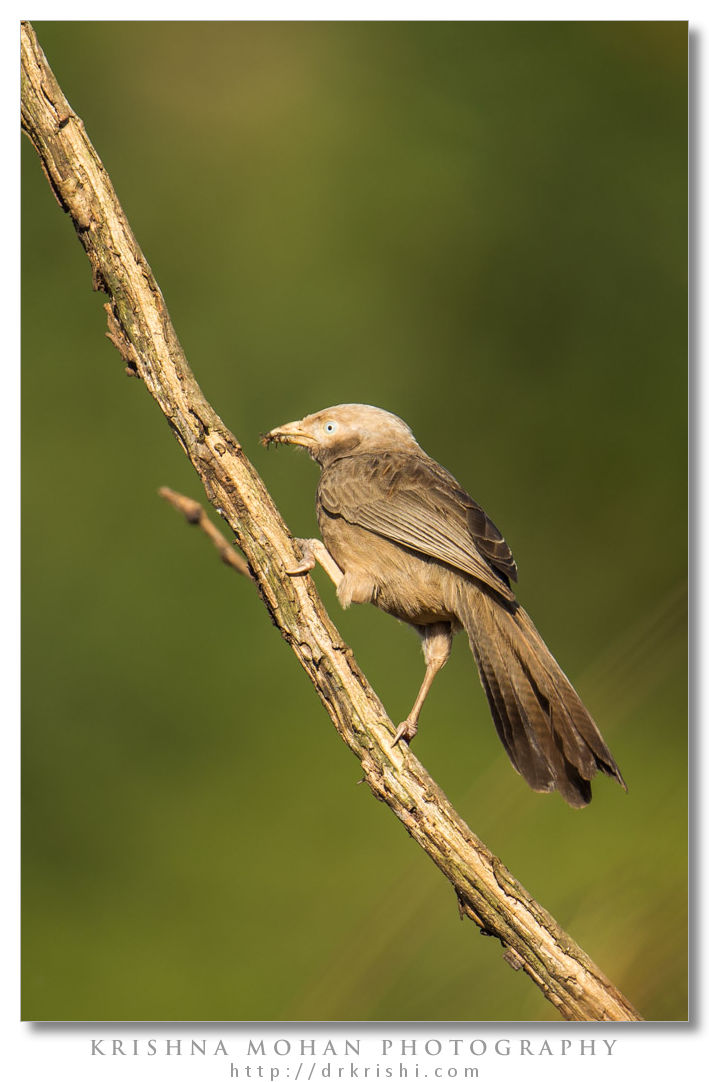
[{"x": 407, "y": 585}]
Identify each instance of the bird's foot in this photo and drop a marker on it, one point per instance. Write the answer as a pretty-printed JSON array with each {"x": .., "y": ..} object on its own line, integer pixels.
[
  {"x": 307, "y": 563},
  {"x": 315, "y": 552},
  {"x": 406, "y": 731}
]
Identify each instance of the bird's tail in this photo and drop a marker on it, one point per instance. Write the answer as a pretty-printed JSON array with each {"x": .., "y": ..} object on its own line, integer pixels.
[{"x": 550, "y": 737}]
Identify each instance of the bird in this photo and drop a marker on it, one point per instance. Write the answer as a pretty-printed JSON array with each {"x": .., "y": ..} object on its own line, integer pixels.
[{"x": 398, "y": 531}]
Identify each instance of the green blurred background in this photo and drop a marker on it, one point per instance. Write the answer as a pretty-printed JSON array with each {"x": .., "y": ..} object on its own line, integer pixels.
[{"x": 481, "y": 227}]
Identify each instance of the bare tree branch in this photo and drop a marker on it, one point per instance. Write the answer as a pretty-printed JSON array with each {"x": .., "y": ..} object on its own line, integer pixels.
[
  {"x": 197, "y": 516},
  {"x": 139, "y": 326}
]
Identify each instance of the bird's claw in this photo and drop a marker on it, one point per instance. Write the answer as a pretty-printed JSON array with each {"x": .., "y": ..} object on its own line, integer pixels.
[
  {"x": 308, "y": 561},
  {"x": 406, "y": 732}
]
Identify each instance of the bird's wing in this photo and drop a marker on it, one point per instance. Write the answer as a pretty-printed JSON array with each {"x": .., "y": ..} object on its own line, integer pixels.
[{"x": 412, "y": 500}]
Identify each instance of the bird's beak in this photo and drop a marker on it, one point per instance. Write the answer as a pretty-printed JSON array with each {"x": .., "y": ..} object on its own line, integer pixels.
[{"x": 290, "y": 433}]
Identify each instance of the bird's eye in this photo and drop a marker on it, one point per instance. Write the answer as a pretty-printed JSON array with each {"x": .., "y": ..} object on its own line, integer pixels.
[{"x": 330, "y": 427}]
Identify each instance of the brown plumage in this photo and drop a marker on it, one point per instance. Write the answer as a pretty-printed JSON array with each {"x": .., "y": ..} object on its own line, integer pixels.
[{"x": 400, "y": 532}]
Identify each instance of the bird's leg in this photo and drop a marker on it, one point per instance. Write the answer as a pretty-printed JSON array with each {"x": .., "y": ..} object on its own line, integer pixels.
[
  {"x": 437, "y": 639},
  {"x": 315, "y": 552}
]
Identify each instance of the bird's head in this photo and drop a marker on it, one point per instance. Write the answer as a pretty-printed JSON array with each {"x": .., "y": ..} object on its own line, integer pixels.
[{"x": 345, "y": 430}]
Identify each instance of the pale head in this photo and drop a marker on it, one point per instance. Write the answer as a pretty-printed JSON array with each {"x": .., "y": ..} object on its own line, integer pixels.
[{"x": 345, "y": 430}]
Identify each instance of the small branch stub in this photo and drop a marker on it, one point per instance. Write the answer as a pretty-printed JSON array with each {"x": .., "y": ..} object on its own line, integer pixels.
[{"x": 197, "y": 516}]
